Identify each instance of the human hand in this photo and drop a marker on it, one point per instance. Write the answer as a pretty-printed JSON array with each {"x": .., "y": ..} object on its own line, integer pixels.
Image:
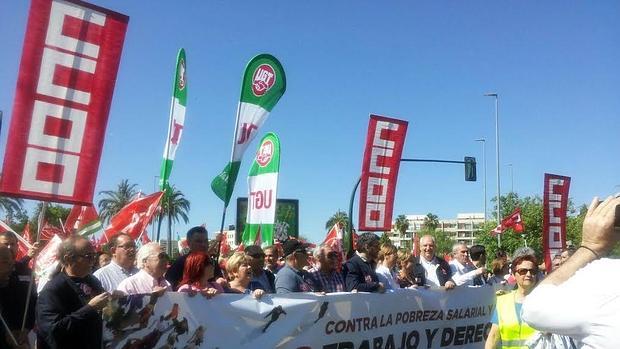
[
  {"x": 381, "y": 288},
  {"x": 208, "y": 292},
  {"x": 258, "y": 293},
  {"x": 449, "y": 285},
  {"x": 598, "y": 226},
  {"x": 34, "y": 250},
  {"x": 482, "y": 270},
  {"x": 99, "y": 301},
  {"x": 222, "y": 282}
]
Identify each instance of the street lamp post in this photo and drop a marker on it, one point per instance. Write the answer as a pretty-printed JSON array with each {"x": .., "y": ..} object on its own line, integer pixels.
[
  {"x": 499, "y": 216},
  {"x": 484, "y": 174}
]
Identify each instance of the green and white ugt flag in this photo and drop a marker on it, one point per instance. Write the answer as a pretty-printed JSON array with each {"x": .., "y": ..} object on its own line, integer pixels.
[
  {"x": 263, "y": 84},
  {"x": 262, "y": 189},
  {"x": 177, "y": 119}
]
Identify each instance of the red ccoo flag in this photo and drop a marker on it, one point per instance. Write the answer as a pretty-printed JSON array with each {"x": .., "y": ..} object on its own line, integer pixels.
[
  {"x": 135, "y": 216},
  {"x": 82, "y": 220},
  {"x": 22, "y": 249},
  {"x": 513, "y": 221}
]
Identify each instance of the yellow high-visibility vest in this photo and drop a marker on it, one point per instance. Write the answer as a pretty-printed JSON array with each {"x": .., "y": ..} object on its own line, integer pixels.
[{"x": 514, "y": 333}]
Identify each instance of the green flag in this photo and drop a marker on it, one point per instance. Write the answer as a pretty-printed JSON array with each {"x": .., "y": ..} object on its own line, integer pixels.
[
  {"x": 177, "y": 119},
  {"x": 264, "y": 82},
  {"x": 262, "y": 190}
]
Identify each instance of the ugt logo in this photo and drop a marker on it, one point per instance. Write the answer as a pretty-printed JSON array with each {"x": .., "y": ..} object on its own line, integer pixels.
[
  {"x": 265, "y": 153},
  {"x": 264, "y": 78},
  {"x": 182, "y": 74}
]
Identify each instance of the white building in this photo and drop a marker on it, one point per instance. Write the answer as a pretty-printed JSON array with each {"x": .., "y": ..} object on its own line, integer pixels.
[{"x": 461, "y": 229}]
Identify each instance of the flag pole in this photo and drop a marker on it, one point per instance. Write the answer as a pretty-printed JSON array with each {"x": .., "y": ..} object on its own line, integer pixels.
[
  {"x": 34, "y": 263},
  {"x": 217, "y": 249},
  {"x": 8, "y": 330}
]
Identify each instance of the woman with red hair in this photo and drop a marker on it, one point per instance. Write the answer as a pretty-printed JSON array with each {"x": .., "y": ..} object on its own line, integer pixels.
[{"x": 199, "y": 268}]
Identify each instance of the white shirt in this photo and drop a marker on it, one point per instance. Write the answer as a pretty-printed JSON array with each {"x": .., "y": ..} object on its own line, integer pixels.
[
  {"x": 586, "y": 307},
  {"x": 112, "y": 274},
  {"x": 386, "y": 277},
  {"x": 431, "y": 271},
  {"x": 142, "y": 282},
  {"x": 463, "y": 274}
]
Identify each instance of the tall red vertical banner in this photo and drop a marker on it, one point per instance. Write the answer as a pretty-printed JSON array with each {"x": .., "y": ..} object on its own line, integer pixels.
[
  {"x": 384, "y": 146},
  {"x": 555, "y": 205},
  {"x": 66, "y": 79}
]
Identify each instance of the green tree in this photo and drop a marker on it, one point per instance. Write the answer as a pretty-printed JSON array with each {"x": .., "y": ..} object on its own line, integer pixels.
[
  {"x": 401, "y": 225},
  {"x": 114, "y": 200},
  {"x": 11, "y": 207},
  {"x": 431, "y": 222},
  {"x": 385, "y": 239},
  {"x": 338, "y": 217},
  {"x": 54, "y": 215},
  {"x": 173, "y": 205},
  {"x": 532, "y": 217}
]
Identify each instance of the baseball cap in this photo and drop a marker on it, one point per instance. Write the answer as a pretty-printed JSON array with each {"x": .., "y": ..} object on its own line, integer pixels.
[{"x": 291, "y": 245}]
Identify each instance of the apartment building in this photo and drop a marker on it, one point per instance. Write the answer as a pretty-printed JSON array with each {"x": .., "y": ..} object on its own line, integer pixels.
[{"x": 460, "y": 229}]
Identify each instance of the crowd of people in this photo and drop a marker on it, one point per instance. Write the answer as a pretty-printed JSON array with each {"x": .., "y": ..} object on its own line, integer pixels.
[{"x": 67, "y": 311}]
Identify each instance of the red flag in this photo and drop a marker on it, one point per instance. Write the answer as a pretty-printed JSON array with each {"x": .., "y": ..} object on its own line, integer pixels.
[
  {"x": 133, "y": 218},
  {"x": 82, "y": 220},
  {"x": 48, "y": 231},
  {"x": 555, "y": 205},
  {"x": 22, "y": 249},
  {"x": 498, "y": 230},
  {"x": 514, "y": 221}
]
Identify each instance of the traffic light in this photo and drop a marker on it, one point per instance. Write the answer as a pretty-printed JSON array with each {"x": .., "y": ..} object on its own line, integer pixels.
[{"x": 470, "y": 169}]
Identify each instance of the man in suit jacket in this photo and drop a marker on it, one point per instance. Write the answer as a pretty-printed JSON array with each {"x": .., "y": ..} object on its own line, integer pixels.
[
  {"x": 437, "y": 270},
  {"x": 68, "y": 307}
]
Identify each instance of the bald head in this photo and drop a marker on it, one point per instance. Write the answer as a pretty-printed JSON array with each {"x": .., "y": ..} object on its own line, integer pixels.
[{"x": 427, "y": 247}]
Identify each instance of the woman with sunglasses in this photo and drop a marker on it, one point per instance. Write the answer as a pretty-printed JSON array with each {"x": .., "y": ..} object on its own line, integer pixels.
[
  {"x": 198, "y": 269},
  {"x": 508, "y": 328}
]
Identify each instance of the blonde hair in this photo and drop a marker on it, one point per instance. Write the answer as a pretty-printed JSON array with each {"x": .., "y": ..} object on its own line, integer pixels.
[
  {"x": 386, "y": 249},
  {"x": 404, "y": 256},
  {"x": 233, "y": 263}
]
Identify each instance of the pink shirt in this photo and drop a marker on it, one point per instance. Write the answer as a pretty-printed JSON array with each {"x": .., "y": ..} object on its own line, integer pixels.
[
  {"x": 142, "y": 282},
  {"x": 187, "y": 288}
]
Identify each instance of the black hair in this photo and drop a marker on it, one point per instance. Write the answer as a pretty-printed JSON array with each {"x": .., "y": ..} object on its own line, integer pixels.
[
  {"x": 365, "y": 240},
  {"x": 197, "y": 230}
]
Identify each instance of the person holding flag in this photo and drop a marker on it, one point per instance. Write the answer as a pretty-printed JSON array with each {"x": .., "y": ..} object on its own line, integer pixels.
[{"x": 264, "y": 82}]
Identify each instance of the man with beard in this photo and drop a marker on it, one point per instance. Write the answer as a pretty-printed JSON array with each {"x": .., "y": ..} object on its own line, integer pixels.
[
  {"x": 359, "y": 270},
  {"x": 122, "y": 266}
]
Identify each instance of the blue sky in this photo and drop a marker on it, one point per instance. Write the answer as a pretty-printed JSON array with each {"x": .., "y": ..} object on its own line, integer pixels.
[{"x": 553, "y": 63}]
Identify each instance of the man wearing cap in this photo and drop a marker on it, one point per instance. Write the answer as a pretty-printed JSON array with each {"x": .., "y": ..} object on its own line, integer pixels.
[
  {"x": 292, "y": 277},
  {"x": 359, "y": 270},
  {"x": 198, "y": 241},
  {"x": 255, "y": 258}
]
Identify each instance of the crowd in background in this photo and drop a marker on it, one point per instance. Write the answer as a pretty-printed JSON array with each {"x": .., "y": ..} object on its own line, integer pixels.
[{"x": 67, "y": 311}]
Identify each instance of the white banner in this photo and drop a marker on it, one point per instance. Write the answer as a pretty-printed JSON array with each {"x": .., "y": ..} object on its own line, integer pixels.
[{"x": 403, "y": 319}]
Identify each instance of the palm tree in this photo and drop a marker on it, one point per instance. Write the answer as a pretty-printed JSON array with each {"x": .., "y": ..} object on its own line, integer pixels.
[
  {"x": 338, "y": 217},
  {"x": 401, "y": 225},
  {"x": 173, "y": 205},
  {"x": 431, "y": 222},
  {"x": 10, "y": 206},
  {"x": 114, "y": 200}
]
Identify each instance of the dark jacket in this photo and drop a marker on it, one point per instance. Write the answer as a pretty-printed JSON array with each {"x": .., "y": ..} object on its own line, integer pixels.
[
  {"x": 290, "y": 280},
  {"x": 360, "y": 275},
  {"x": 417, "y": 277},
  {"x": 175, "y": 272},
  {"x": 64, "y": 318},
  {"x": 444, "y": 273},
  {"x": 13, "y": 303}
]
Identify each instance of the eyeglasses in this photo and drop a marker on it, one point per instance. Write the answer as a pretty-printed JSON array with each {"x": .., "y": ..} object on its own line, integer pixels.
[
  {"x": 523, "y": 271},
  {"x": 91, "y": 255}
]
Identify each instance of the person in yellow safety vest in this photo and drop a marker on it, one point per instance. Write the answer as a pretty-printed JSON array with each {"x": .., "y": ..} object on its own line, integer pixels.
[{"x": 508, "y": 329}]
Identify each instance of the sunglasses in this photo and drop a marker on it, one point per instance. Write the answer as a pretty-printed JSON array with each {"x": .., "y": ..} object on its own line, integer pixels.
[
  {"x": 523, "y": 271},
  {"x": 91, "y": 255}
]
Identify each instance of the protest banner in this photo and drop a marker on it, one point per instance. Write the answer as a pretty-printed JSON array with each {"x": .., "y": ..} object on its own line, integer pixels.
[
  {"x": 555, "y": 205},
  {"x": 384, "y": 146},
  {"x": 262, "y": 193},
  {"x": 426, "y": 318},
  {"x": 64, "y": 91}
]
